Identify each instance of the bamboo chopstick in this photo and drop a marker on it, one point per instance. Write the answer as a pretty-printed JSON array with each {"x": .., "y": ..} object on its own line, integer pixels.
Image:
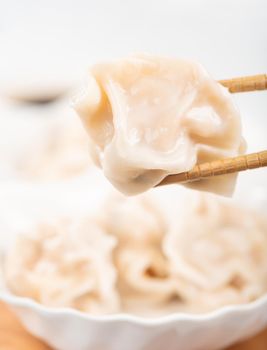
[
  {"x": 219, "y": 167},
  {"x": 244, "y": 84}
]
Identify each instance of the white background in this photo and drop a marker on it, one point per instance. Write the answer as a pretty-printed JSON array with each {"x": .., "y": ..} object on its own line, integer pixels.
[{"x": 60, "y": 38}]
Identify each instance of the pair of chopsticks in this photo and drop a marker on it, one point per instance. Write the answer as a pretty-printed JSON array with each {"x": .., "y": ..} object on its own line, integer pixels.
[{"x": 227, "y": 165}]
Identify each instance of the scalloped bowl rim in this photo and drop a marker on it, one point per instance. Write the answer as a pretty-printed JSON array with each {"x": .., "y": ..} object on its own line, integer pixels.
[{"x": 25, "y": 302}]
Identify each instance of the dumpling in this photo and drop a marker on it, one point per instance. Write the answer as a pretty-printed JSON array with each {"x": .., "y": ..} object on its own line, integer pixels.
[
  {"x": 136, "y": 221},
  {"x": 148, "y": 117},
  {"x": 217, "y": 254},
  {"x": 144, "y": 281},
  {"x": 65, "y": 264}
]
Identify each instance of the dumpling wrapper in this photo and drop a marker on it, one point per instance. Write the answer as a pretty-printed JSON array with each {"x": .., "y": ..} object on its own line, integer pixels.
[
  {"x": 217, "y": 253},
  {"x": 136, "y": 222},
  {"x": 139, "y": 226},
  {"x": 148, "y": 117},
  {"x": 144, "y": 280},
  {"x": 65, "y": 264}
]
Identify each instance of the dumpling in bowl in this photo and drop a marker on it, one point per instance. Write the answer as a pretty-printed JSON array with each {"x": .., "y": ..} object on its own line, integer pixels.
[
  {"x": 217, "y": 254},
  {"x": 148, "y": 117},
  {"x": 65, "y": 265},
  {"x": 144, "y": 281},
  {"x": 137, "y": 221}
]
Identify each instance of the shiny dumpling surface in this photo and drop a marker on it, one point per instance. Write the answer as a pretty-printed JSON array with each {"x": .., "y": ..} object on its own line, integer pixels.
[{"x": 148, "y": 117}]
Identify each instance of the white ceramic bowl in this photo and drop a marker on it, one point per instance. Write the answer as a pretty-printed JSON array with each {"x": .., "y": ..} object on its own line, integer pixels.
[{"x": 67, "y": 329}]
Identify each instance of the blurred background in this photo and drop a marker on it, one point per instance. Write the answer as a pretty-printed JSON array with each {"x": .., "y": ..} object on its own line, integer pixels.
[
  {"x": 46, "y": 49},
  {"x": 55, "y": 41}
]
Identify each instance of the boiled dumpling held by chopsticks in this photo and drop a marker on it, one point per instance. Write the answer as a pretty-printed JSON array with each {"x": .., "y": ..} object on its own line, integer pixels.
[{"x": 148, "y": 117}]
